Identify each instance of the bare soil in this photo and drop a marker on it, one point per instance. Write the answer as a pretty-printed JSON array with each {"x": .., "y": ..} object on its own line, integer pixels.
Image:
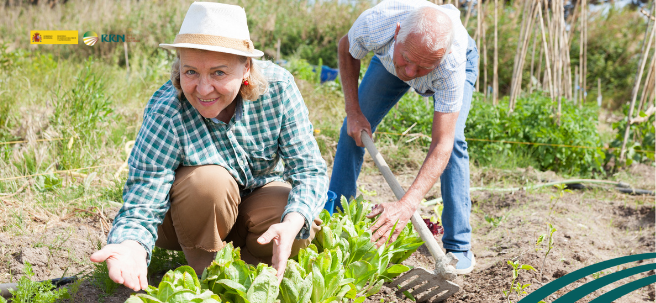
[{"x": 593, "y": 225}]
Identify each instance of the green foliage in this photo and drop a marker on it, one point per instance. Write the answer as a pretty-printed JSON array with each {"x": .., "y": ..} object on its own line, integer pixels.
[
  {"x": 177, "y": 286},
  {"x": 81, "y": 108},
  {"x": 29, "y": 291},
  {"x": 550, "y": 238},
  {"x": 517, "y": 288},
  {"x": 533, "y": 121},
  {"x": 341, "y": 263},
  {"x": 411, "y": 110},
  {"x": 164, "y": 259},
  {"x": 99, "y": 278},
  {"x": 640, "y": 143},
  {"x": 494, "y": 221},
  {"x": 303, "y": 70}
]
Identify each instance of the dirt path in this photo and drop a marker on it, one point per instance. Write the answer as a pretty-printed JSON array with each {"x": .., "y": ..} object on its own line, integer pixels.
[{"x": 592, "y": 225}]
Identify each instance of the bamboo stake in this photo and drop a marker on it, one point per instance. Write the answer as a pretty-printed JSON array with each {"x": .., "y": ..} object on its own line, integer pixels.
[
  {"x": 535, "y": 36},
  {"x": 599, "y": 98},
  {"x": 495, "y": 77},
  {"x": 568, "y": 66},
  {"x": 573, "y": 23},
  {"x": 576, "y": 90},
  {"x": 646, "y": 91},
  {"x": 584, "y": 74},
  {"x": 479, "y": 13},
  {"x": 539, "y": 73},
  {"x": 634, "y": 93},
  {"x": 483, "y": 30},
  {"x": 519, "y": 42},
  {"x": 517, "y": 84},
  {"x": 547, "y": 69},
  {"x": 471, "y": 2}
]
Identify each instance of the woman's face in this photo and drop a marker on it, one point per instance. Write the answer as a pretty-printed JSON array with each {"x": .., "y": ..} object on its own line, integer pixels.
[{"x": 211, "y": 80}]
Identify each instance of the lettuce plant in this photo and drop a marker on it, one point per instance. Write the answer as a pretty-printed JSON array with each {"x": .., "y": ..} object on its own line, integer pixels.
[{"x": 341, "y": 264}]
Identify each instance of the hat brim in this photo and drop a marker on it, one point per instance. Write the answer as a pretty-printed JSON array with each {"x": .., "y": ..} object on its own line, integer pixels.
[{"x": 255, "y": 54}]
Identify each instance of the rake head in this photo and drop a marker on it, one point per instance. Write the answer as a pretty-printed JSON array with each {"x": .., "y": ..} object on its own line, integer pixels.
[
  {"x": 426, "y": 286},
  {"x": 431, "y": 286}
]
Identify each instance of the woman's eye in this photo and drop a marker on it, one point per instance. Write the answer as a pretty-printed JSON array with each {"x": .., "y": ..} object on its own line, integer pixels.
[
  {"x": 190, "y": 72},
  {"x": 219, "y": 73}
]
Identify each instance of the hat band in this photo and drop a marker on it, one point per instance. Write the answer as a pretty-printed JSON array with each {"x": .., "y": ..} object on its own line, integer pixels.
[{"x": 239, "y": 44}]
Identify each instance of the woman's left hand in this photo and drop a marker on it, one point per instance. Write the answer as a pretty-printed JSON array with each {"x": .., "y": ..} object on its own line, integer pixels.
[{"x": 283, "y": 236}]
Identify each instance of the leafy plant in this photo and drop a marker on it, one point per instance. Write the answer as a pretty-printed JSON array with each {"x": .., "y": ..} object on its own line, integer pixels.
[
  {"x": 551, "y": 231},
  {"x": 641, "y": 140},
  {"x": 494, "y": 221},
  {"x": 341, "y": 263},
  {"x": 598, "y": 275},
  {"x": 517, "y": 288},
  {"x": 28, "y": 291},
  {"x": 181, "y": 285}
]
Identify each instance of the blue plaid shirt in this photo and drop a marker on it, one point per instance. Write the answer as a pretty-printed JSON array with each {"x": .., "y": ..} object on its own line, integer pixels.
[
  {"x": 374, "y": 31},
  {"x": 252, "y": 146}
]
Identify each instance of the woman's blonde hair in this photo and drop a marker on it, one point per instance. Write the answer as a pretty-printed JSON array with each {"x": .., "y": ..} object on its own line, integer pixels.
[{"x": 257, "y": 84}]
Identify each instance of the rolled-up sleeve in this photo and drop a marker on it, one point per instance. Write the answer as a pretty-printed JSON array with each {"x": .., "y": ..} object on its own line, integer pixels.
[
  {"x": 360, "y": 42},
  {"x": 305, "y": 169},
  {"x": 152, "y": 165}
]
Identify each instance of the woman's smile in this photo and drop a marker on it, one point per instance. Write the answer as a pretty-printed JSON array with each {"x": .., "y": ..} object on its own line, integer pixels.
[{"x": 207, "y": 102}]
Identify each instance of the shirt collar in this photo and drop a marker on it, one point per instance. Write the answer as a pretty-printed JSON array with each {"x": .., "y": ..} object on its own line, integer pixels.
[{"x": 238, "y": 110}]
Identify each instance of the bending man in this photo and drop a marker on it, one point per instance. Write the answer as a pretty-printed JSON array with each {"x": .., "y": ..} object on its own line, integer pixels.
[{"x": 424, "y": 46}]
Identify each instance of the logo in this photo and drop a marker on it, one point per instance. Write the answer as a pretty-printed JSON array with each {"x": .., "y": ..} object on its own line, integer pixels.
[
  {"x": 53, "y": 37},
  {"x": 90, "y": 38},
  {"x": 36, "y": 37},
  {"x": 590, "y": 287}
]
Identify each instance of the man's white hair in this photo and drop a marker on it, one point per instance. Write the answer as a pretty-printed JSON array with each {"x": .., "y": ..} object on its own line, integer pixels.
[{"x": 433, "y": 26}]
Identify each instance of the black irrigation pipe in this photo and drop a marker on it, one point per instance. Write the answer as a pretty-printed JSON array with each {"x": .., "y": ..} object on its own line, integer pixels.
[{"x": 4, "y": 288}]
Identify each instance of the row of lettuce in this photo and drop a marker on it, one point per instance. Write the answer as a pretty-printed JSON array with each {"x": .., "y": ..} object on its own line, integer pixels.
[{"x": 341, "y": 264}]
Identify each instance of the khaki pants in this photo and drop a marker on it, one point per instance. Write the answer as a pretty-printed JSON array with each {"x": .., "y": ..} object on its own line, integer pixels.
[{"x": 206, "y": 209}]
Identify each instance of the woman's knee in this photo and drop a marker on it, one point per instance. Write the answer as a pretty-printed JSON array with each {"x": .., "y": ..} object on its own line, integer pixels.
[{"x": 206, "y": 187}]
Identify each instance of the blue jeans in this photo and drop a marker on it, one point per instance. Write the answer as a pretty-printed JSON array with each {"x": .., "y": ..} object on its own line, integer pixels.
[{"x": 378, "y": 92}]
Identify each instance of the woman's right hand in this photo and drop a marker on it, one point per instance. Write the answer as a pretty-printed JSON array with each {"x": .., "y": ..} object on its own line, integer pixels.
[
  {"x": 356, "y": 122},
  {"x": 126, "y": 263}
]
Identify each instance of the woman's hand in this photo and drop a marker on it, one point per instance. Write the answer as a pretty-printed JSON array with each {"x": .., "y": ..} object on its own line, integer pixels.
[
  {"x": 283, "y": 235},
  {"x": 126, "y": 263},
  {"x": 398, "y": 213}
]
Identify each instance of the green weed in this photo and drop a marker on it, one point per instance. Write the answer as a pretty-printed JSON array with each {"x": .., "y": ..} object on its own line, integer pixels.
[
  {"x": 28, "y": 291},
  {"x": 517, "y": 288},
  {"x": 549, "y": 238}
]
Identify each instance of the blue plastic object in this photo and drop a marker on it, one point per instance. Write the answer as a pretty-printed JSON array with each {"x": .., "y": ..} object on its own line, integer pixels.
[
  {"x": 330, "y": 204},
  {"x": 328, "y": 74}
]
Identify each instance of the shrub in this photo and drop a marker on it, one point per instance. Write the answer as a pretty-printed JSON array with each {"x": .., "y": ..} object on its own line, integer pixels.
[{"x": 533, "y": 121}]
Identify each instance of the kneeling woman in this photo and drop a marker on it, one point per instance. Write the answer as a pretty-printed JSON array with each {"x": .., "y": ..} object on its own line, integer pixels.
[{"x": 206, "y": 166}]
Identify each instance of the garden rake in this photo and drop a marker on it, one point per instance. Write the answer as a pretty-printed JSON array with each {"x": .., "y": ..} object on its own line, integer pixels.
[{"x": 424, "y": 285}]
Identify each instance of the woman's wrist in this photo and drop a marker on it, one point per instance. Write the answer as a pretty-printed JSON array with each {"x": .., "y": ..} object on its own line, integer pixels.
[{"x": 294, "y": 219}]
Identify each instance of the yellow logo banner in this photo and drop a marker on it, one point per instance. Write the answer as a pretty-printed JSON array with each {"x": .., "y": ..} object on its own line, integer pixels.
[{"x": 53, "y": 37}]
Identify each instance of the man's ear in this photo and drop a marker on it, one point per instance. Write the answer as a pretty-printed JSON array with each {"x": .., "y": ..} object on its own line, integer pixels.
[{"x": 398, "y": 28}]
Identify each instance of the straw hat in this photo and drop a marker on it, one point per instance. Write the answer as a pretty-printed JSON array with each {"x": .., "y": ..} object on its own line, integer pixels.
[{"x": 215, "y": 27}]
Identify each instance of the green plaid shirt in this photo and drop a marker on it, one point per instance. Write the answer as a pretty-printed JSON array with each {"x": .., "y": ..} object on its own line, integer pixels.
[{"x": 251, "y": 146}]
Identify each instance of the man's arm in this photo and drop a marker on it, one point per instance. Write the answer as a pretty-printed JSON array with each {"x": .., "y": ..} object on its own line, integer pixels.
[
  {"x": 443, "y": 133},
  {"x": 349, "y": 73}
]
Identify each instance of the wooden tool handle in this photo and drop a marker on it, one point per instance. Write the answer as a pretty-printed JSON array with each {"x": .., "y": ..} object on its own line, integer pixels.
[{"x": 416, "y": 219}]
